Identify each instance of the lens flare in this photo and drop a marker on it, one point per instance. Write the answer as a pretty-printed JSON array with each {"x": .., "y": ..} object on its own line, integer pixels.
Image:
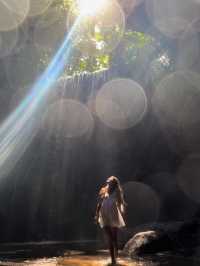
[
  {"x": 90, "y": 7},
  {"x": 108, "y": 22}
]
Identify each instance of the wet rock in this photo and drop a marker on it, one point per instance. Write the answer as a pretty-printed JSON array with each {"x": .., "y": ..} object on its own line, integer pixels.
[
  {"x": 147, "y": 242},
  {"x": 177, "y": 237}
]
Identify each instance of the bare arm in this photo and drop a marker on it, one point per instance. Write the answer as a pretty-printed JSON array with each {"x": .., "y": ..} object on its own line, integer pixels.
[{"x": 98, "y": 210}]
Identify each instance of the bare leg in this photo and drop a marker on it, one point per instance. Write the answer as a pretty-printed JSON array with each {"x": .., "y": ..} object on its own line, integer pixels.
[
  {"x": 108, "y": 232},
  {"x": 115, "y": 239}
]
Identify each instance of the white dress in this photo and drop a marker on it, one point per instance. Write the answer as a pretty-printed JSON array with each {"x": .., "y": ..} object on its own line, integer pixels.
[{"x": 109, "y": 214}]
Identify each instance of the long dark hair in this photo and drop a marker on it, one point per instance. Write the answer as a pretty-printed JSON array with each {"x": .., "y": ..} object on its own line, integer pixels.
[{"x": 113, "y": 186}]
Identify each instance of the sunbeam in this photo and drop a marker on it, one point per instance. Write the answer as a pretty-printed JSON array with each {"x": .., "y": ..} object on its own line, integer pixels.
[{"x": 18, "y": 130}]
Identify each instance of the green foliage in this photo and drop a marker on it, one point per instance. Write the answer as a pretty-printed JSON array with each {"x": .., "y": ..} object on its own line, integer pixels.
[
  {"x": 90, "y": 53},
  {"x": 132, "y": 46},
  {"x": 80, "y": 63}
]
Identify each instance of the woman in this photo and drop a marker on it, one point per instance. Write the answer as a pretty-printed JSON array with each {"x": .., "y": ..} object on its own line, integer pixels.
[{"x": 110, "y": 209}]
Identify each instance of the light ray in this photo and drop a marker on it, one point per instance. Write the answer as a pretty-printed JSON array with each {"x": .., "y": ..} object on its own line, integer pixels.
[{"x": 17, "y": 131}]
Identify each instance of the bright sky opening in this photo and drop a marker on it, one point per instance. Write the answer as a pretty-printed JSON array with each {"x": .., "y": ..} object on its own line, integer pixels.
[{"x": 90, "y": 7}]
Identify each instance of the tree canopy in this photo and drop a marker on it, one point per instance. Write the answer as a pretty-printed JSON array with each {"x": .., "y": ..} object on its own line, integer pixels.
[{"x": 93, "y": 47}]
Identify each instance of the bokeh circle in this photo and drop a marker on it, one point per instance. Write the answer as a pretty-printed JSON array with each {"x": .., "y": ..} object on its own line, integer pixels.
[
  {"x": 172, "y": 17},
  {"x": 38, "y": 7},
  {"x": 13, "y": 13},
  {"x": 50, "y": 30},
  {"x": 121, "y": 103},
  {"x": 176, "y": 99},
  {"x": 143, "y": 203},
  {"x": 67, "y": 118}
]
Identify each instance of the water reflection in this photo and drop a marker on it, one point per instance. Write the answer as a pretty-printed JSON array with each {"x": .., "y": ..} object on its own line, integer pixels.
[
  {"x": 104, "y": 261},
  {"x": 101, "y": 258}
]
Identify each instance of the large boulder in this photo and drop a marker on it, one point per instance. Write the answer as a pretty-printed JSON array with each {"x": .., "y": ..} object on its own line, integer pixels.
[
  {"x": 147, "y": 243},
  {"x": 177, "y": 237}
]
